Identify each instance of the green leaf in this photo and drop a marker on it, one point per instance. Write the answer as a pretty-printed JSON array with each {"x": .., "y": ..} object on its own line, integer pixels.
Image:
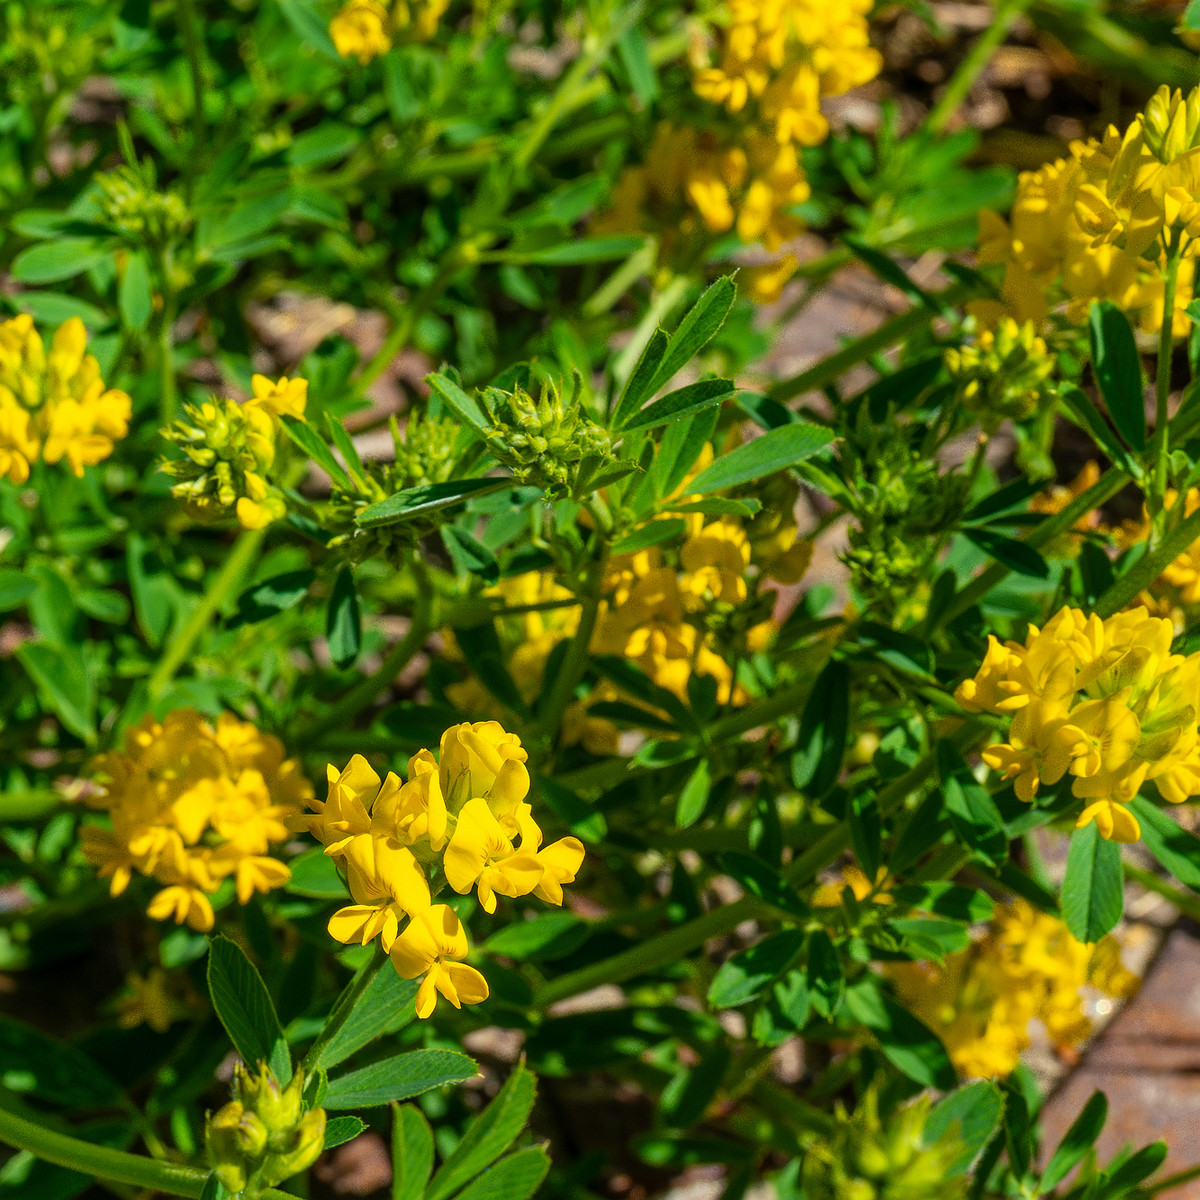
[
  {"x": 547, "y": 936},
  {"x": 469, "y": 554},
  {"x": 488, "y": 1135},
  {"x": 312, "y": 444},
  {"x": 457, "y": 401},
  {"x": 135, "y": 297},
  {"x": 637, "y": 389},
  {"x": 16, "y": 587},
  {"x": 635, "y": 58},
  {"x": 907, "y": 1043},
  {"x": 975, "y": 1110},
  {"x": 1017, "y": 556},
  {"x": 387, "y": 1006},
  {"x": 1172, "y": 845},
  {"x": 824, "y": 726},
  {"x": 693, "y": 798},
  {"x": 346, "y": 447},
  {"x": 243, "y": 1004},
  {"x": 763, "y": 881},
  {"x": 680, "y": 447},
  {"x": 516, "y": 1177},
  {"x": 309, "y": 23},
  {"x": 315, "y": 874},
  {"x": 743, "y": 976},
  {"x": 152, "y": 589},
  {"x": 343, "y": 622},
  {"x": 774, "y": 451},
  {"x": 653, "y": 533},
  {"x": 1077, "y": 1141},
  {"x": 826, "y": 982},
  {"x": 105, "y": 604},
  {"x": 695, "y": 331},
  {"x": 888, "y": 271},
  {"x": 339, "y": 1130},
  {"x": 1118, "y": 367},
  {"x": 272, "y": 596},
  {"x": 425, "y": 499},
  {"x": 398, "y": 1078},
  {"x": 412, "y": 1152},
  {"x": 326, "y": 142},
  {"x": 65, "y": 258},
  {"x": 67, "y": 687},
  {"x": 866, "y": 831},
  {"x": 718, "y": 506},
  {"x": 1087, "y": 416},
  {"x": 1134, "y": 1169},
  {"x": 946, "y": 899},
  {"x": 688, "y": 1095},
  {"x": 970, "y": 807},
  {"x": 685, "y": 402},
  {"x": 1092, "y": 892},
  {"x": 34, "y": 1065}
]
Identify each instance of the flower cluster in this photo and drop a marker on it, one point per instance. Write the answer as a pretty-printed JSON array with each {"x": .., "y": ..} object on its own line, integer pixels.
[
  {"x": 1105, "y": 701},
  {"x": 775, "y": 61},
  {"x": 695, "y": 185},
  {"x": 784, "y": 56},
  {"x": 192, "y": 804},
  {"x": 263, "y": 1135},
  {"x": 1102, "y": 223},
  {"x": 230, "y": 453},
  {"x": 54, "y": 405},
  {"x": 461, "y": 818},
  {"x": 365, "y": 29},
  {"x": 1025, "y": 967}
]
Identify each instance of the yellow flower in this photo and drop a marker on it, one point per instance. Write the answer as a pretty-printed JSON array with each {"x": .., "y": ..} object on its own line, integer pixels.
[
  {"x": 158, "y": 999},
  {"x": 430, "y": 946},
  {"x": 1025, "y": 967},
  {"x": 386, "y": 883},
  {"x": 54, "y": 405},
  {"x": 481, "y": 855},
  {"x": 360, "y": 30},
  {"x": 192, "y": 804},
  {"x": 1105, "y": 701},
  {"x": 285, "y": 398}
]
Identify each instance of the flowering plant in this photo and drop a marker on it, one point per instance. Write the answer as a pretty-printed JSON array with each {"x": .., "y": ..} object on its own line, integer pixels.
[{"x": 445, "y": 644}]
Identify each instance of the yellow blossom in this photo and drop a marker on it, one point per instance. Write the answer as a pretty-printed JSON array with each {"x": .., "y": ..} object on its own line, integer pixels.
[
  {"x": 1104, "y": 701},
  {"x": 285, "y": 397},
  {"x": 158, "y": 999},
  {"x": 54, "y": 405},
  {"x": 191, "y": 804},
  {"x": 360, "y": 30},
  {"x": 1025, "y": 967},
  {"x": 431, "y": 945}
]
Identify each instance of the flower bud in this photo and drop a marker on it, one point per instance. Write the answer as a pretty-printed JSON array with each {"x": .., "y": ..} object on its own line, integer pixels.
[{"x": 306, "y": 1143}]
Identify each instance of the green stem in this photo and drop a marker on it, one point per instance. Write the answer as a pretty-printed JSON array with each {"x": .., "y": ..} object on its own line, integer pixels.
[
  {"x": 973, "y": 65},
  {"x": 574, "y": 662},
  {"x": 343, "y": 1007},
  {"x": 370, "y": 687},
  {"x": 1149, "y": 567},
  {"x": 234, "y": 568},
  {"x": 1162, "y": 386},
  {"x": 105, "y": 1163},
  {"x": 890, "y": 332}
]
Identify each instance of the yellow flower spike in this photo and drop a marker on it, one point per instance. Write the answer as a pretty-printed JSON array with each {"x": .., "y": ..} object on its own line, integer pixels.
[
  {"x": 386, "y": 882},
  {"x": 429, "y": 946},
  {"x": 1102, "y": 700},
  {"x": 481, "y": 855},
  {"x": 285, "y": 398}
]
